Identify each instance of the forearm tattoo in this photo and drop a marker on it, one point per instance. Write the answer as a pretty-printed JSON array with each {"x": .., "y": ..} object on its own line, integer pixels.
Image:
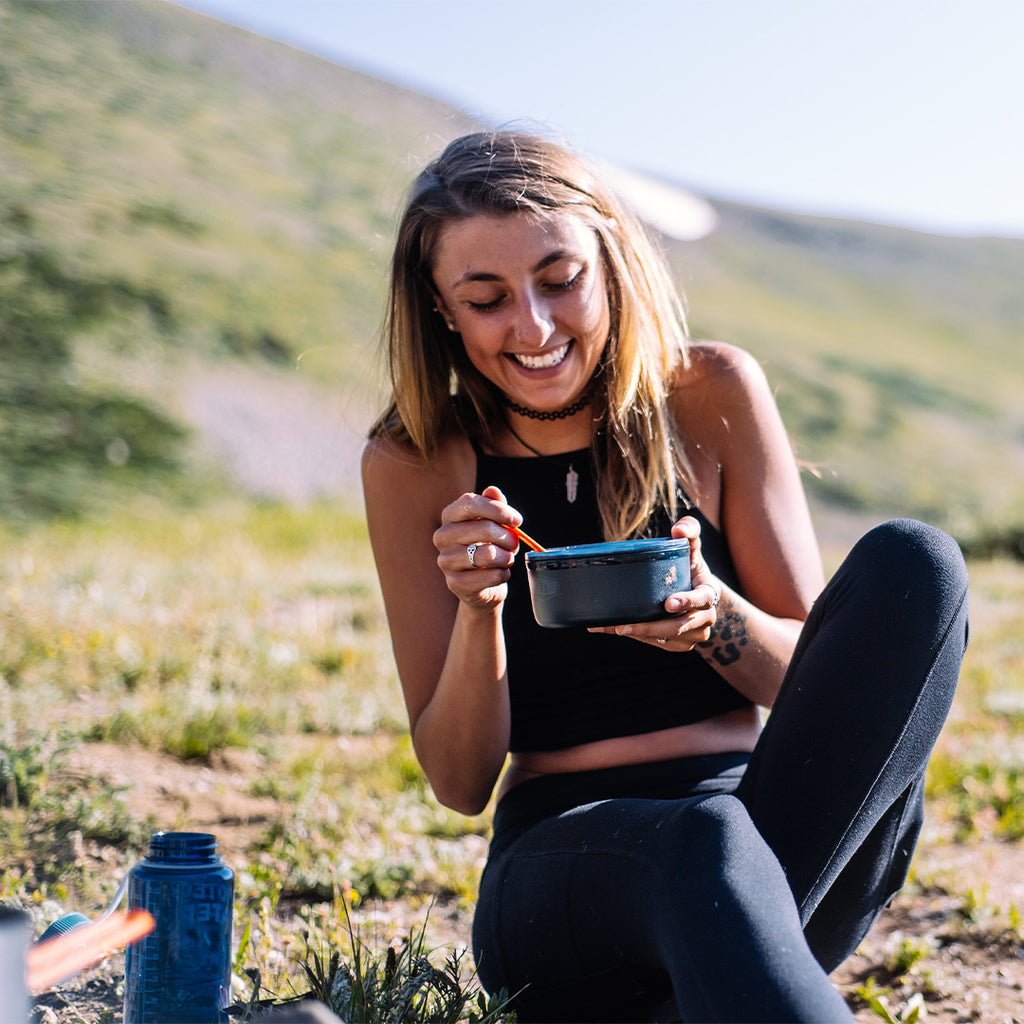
[{"x": 728, "y": 636}]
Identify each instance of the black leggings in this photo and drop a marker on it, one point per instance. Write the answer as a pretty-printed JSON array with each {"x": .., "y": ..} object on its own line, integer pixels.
[{"x": 726, "y": 888}]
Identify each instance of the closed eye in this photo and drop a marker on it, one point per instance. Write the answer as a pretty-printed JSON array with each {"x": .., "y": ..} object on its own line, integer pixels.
[
  {"x": 550, "y": 286},
  {"x": 564, "y": 286}
]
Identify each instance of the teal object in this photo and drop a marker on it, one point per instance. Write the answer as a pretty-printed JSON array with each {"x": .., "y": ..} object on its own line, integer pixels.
[{"x": 65, "y": 924}]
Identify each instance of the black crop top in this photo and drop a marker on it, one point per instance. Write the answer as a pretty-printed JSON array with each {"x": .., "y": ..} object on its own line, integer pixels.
[{"x": 569, "y": 686}]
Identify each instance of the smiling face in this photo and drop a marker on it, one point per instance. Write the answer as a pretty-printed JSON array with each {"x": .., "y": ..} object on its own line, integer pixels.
[{"x": 528, "y": 297}]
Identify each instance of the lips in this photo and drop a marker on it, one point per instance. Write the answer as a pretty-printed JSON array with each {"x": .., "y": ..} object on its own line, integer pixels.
[{"x": 541, "y": 362}]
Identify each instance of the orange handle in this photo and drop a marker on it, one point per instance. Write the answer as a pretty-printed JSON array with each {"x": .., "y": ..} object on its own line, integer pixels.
[
  {"x": 526, "y": 539},
  {"x": 64, "y": 956}
]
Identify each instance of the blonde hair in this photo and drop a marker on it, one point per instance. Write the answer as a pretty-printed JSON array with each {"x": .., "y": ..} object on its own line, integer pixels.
[{"x": 435, "y": 389}]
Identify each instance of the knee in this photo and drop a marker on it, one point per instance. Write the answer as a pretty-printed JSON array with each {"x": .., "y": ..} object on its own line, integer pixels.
[
  {"x": 720, "y": 831},
  {"x": 738, "y": 872},
  {"x": 906, "y": 549},
  {"x": 716, "y": 817},
  {"x": 909, "y": 539},
  {"x": 913, "y": 577}
]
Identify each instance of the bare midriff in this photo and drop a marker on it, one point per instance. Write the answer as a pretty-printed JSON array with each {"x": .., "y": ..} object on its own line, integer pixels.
[{"x": 732, "y": 731}]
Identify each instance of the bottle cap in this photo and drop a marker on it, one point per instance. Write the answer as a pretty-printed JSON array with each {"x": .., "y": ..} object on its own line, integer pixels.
[{"x": 67, "y": 923}]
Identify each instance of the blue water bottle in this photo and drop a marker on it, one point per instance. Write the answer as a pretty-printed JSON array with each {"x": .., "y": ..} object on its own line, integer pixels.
[{"x": 181, "y": 972}]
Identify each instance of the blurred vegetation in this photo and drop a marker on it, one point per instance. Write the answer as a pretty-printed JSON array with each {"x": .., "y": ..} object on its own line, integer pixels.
[
  {"x": 62, "y": 442},
  {"x": 176, "y": 194},
  {"x": 257, "y": 630},
  {"x": 895, "y": 355}
]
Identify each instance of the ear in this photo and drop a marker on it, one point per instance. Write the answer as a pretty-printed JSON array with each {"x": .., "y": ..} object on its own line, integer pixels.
[{"x": 444, "y": 312}]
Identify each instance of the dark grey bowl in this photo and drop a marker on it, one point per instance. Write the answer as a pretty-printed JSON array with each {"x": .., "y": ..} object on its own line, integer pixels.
[{"x": 606, "y": 584}]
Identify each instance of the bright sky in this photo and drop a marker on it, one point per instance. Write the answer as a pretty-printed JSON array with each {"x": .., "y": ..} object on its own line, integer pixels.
[{"x": 907, "y": 112}]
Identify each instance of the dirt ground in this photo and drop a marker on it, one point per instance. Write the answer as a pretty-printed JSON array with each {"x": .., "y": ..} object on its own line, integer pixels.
[{"x": 973, "y": 970}]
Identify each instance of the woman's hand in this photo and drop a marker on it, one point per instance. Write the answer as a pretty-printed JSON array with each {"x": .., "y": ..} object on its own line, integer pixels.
[
  {"x": 475, "y": 548},
  {"x": 691, "y": 613}
]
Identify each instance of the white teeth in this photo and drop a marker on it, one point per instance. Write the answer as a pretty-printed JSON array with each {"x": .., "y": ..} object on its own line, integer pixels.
[{"x": 552, "y": 358}]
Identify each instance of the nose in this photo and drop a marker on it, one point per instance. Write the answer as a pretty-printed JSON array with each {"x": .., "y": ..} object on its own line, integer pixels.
[{"x": 534, "y": 324}]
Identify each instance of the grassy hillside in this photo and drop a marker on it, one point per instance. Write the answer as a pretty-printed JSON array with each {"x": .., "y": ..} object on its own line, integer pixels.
[
  {"x": 897, "y": 355},
  {"x": 250, "y": 185},
  {"x": 174, "y": 195},
  {"x": 220, "y": 197}
]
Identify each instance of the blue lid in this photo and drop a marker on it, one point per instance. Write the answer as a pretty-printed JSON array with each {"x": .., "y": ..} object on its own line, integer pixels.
[
  {"x": 609, "y": 553},
  {"x": 179, "y": 847}
]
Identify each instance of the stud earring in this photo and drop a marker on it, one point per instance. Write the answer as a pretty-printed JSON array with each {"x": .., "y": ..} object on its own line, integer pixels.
[{"x": 450, "y": 324}]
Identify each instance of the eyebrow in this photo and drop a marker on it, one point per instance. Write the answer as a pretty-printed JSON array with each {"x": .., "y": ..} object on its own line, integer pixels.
[{"x": 552, "y": 257}]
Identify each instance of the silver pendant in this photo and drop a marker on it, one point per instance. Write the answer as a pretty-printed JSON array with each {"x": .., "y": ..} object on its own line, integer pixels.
[{"x": 572, "y": 479}]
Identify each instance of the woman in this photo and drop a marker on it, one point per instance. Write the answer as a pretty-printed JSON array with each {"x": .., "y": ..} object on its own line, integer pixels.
[{"x": 656, "y": 855}]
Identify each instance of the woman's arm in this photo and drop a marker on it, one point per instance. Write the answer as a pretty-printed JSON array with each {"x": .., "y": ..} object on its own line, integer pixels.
[
  {"x": 444, "y": 615},
  {"x": 748, "y": 482}
]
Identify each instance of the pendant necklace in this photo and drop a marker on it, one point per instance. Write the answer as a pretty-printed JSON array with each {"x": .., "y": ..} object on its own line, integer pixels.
[{"x": 572, "y": 478}]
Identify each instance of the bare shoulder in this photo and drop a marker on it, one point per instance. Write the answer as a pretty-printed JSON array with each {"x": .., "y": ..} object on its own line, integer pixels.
[
  {"x": 728, "y": 417},
  {"x": 391, "y": 471},
  {"x": 720, "y": 394},
  {"x": 404, "y": 496},
  {"x": 720, "y": 370}
]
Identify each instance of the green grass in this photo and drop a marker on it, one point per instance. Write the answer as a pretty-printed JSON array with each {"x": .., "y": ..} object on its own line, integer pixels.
[
  {"x": 238, "y": 180},
  {"x": 134, "y": 609},
  {"x": 976, "y": 778},
  {"x": 406, "y": 982},
  {"x": 252, "y": 627},
  {"x": 260, "y": 627}
]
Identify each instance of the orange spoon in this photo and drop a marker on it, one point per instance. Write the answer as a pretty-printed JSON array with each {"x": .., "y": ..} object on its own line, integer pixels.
[{"x": 526, "y": 539}]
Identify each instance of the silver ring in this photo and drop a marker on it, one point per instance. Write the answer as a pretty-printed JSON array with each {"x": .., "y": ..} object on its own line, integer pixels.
[
  {"x": 471, "y": 551},
  {"x": 718, "y": 595},
  {"x": 662, "y": 640}
]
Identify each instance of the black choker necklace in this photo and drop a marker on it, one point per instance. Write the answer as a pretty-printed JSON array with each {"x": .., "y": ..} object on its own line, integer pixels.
[{"x": 559, "y": 414}]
